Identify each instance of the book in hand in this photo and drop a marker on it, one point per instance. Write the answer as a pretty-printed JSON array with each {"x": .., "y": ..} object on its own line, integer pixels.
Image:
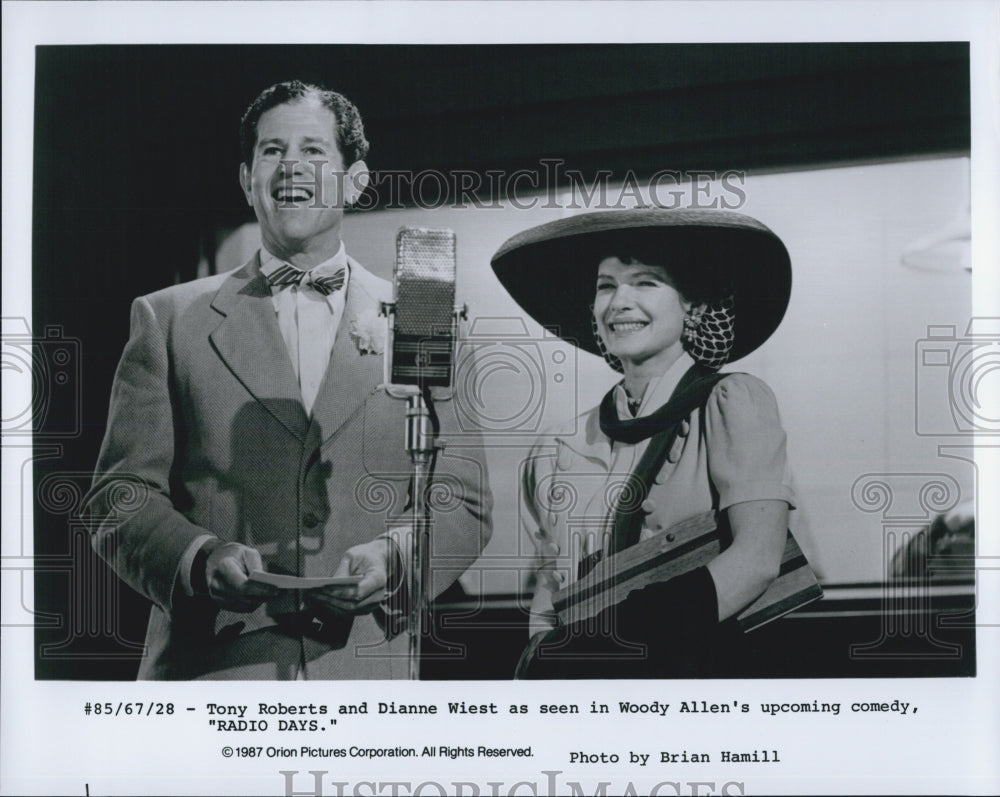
[
  {"x": 685, "y": 546},
  {"x": 283, "y": 581}
]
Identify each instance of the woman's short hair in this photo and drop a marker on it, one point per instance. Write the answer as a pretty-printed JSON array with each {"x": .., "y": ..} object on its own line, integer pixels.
[{"x": 704, "y": 283}]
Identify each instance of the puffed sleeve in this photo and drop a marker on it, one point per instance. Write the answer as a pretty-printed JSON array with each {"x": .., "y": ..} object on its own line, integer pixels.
[{"x": 745, "y": 442}]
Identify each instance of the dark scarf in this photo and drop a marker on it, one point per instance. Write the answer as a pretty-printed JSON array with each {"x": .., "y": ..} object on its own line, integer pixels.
[{"x": 662, "y": 426}]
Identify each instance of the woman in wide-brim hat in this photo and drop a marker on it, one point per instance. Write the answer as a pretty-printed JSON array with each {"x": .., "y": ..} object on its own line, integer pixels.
[{"x": 667, "y": 297}]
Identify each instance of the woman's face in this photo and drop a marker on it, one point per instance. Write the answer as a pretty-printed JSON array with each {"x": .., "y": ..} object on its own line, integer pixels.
[{"x": 639, "y": 313}]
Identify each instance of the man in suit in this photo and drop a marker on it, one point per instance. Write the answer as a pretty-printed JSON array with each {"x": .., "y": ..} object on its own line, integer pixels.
[{"x": 247, "y": 431}]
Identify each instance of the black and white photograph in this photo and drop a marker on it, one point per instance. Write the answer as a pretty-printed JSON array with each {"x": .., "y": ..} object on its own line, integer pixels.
[{"x": 382, "y": 365}]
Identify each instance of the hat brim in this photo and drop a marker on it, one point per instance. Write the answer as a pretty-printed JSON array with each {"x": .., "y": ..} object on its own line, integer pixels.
[{"x": 551, "y": 270}]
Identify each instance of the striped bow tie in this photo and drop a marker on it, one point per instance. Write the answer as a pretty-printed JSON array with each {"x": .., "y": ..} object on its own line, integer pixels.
[{"x": 324, "y": 283}]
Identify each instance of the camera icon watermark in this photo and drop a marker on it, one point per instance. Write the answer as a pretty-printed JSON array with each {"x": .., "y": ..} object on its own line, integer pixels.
[
  {"x": 41, "y": 375},
  {"x": 955, "y": 376},
  {"x": 510, "y": 384}
]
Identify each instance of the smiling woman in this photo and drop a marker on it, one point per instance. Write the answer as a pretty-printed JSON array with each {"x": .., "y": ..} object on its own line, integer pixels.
[
  {"x": 639, "y": 316},
  {"x": 676, "y": 295}
]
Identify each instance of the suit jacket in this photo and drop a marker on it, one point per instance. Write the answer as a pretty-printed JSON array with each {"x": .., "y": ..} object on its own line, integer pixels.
[{"x": 207, "y": 434}]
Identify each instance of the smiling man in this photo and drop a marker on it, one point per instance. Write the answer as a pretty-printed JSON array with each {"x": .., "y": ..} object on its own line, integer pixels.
[
  {"x": 247, "y": 436},
  {"x": 294, "y": 173}
]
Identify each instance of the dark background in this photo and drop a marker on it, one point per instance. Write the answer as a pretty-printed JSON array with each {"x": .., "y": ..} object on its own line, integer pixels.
[{"x": 135, "y": 176}]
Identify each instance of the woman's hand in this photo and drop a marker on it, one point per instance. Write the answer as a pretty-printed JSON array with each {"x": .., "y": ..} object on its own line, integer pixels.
[{"x": 747, "y": 567}]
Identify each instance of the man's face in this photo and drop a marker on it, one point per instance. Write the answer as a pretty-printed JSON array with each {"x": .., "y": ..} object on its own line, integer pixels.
[{"x": 297, "y": 183}]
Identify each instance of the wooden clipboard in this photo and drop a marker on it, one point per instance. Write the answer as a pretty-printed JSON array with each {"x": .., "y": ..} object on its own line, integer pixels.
[{"x": 683, "y": 547}]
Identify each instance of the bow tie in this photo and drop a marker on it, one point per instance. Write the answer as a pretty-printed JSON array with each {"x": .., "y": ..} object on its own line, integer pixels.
[{"x": 324, "y": 283}]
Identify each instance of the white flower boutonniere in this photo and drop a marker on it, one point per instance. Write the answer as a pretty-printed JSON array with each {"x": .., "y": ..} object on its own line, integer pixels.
[{"x": 369, "y": 330}]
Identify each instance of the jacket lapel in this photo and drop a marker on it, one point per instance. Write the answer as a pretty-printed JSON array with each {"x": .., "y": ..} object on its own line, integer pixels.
[
  {"x": 351, "y": 376},
  {"x": 249, "y": 341}
]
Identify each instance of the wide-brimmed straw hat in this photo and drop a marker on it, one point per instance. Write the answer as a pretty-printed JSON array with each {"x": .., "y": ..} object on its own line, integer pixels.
[{"x": 551, "y": 270}]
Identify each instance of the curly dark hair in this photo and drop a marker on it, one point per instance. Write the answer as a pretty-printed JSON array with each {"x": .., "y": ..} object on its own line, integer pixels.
[
  {"x": 709, "y": 282},
  {"x": 351, "y": 139}
]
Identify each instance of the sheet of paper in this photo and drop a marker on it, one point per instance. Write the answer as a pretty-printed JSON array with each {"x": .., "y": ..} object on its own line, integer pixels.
[{"x": 283, "y": 581}]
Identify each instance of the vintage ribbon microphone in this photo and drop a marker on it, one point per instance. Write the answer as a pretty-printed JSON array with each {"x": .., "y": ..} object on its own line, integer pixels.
[{"x": 423, "y": 326}]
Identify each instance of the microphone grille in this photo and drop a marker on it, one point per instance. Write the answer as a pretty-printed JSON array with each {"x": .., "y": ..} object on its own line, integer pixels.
[
  {"x": 425, "y": 279},
  {"x": 424, "y": 306}
]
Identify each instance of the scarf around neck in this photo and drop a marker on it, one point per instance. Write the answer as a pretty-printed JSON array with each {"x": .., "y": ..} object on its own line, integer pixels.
[{"x": 663, "y": 426}]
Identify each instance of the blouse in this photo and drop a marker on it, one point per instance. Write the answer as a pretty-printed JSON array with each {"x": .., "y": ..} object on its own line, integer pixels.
[{"x": 572, "y": 479}]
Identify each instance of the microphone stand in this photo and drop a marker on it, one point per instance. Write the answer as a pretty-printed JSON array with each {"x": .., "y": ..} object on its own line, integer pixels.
[{"x": 420, "y": 445}]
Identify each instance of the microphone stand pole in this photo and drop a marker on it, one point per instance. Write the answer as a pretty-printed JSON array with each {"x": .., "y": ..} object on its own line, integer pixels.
[{"x": 420, "y": 445}]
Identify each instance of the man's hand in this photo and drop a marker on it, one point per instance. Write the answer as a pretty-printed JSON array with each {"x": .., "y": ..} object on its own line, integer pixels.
[
  {"x": 226, "y": 573},
  {"x": 370, "y": 561}
]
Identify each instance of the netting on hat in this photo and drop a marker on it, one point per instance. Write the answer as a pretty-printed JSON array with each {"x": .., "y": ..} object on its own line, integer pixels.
[{"x": 709, "y": 335}]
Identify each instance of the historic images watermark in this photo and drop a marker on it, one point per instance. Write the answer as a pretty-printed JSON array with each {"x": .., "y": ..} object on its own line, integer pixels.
[
  {"x": 548, "y": 783},
  {"x": 548, "y": 186}
]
